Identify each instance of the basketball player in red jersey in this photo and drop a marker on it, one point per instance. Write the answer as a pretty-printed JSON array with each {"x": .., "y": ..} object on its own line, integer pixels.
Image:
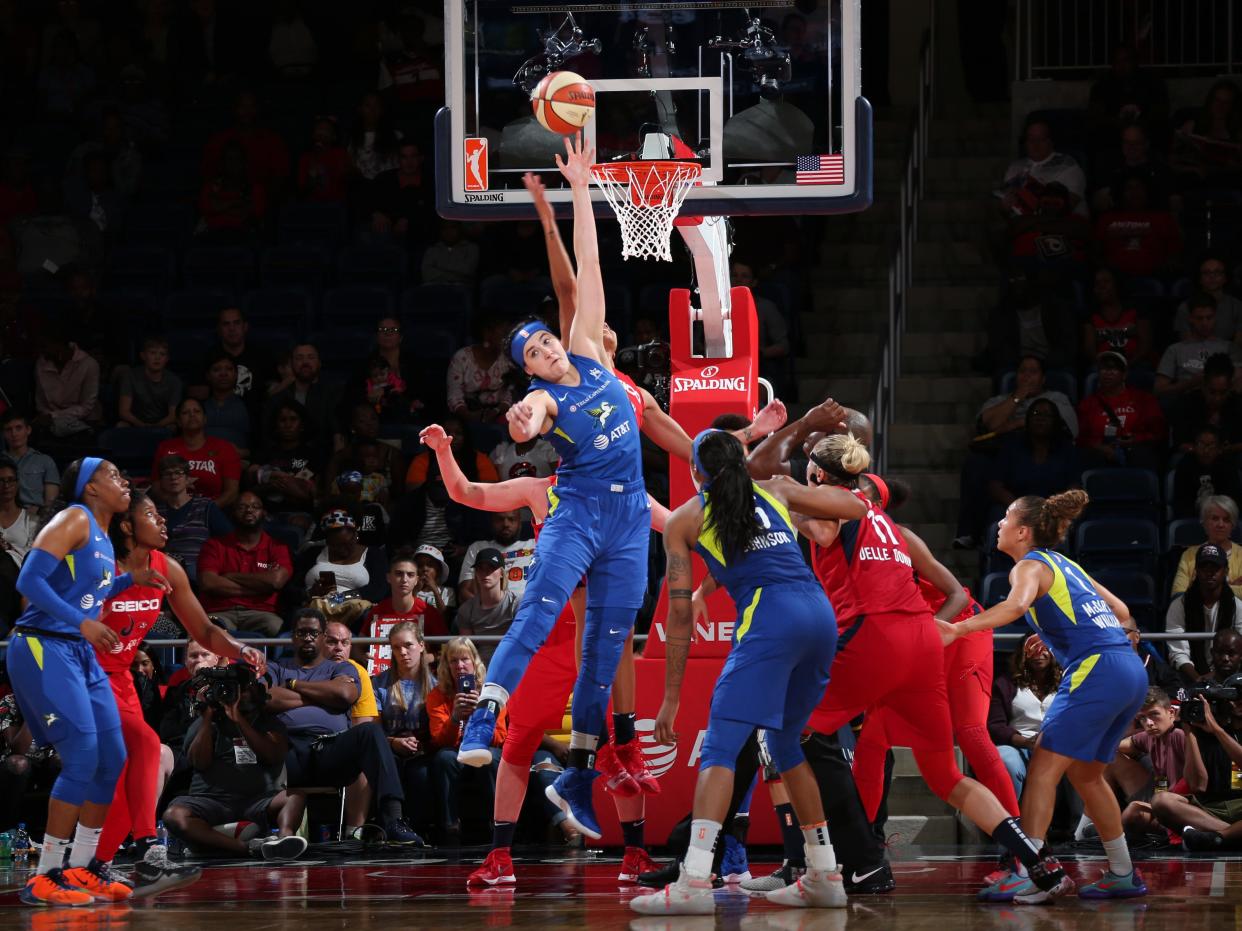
[
  {"x": 138, "y": 536},
  {"x": 887, "y": 659},
  {"x": 967, "y": 672}
]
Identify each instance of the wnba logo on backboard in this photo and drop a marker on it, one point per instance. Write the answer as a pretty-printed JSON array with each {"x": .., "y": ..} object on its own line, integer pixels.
[{"x": 476, "y": 164}]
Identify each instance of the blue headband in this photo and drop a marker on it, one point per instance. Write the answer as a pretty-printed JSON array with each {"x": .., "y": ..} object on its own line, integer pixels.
[
  {"x": 517, "y": 347},
  {"x": 694, "y": 455},
  {"x": 85, "y": 473}
]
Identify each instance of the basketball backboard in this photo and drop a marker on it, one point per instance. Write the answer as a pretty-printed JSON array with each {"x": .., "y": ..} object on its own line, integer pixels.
[{"x": 767, "y": 93}]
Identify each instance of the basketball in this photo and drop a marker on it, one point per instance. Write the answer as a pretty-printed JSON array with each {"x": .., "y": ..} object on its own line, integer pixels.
[{"x": 563, "y": 102}]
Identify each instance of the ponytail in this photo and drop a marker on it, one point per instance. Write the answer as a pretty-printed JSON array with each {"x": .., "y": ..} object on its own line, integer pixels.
[
  {"x": 1050, "y": 518},
  {"x": 719, "y": 457}
]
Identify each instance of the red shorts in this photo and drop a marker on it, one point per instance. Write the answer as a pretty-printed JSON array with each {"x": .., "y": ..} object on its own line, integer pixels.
[
  {"x": 538, "y": 703},
  {"x": 894, "y": 662}
]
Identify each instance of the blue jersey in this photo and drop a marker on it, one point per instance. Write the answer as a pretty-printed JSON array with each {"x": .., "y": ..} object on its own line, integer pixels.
[
  {"x": 594, "y": 430},
  {"x": 84, "y": 579},
  {"x": 773, "y": 556},
  {"x": 1072, "y": 619}
]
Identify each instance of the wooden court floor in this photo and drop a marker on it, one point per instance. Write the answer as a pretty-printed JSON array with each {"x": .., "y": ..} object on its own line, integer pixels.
[{"x": 935, "y": 893}]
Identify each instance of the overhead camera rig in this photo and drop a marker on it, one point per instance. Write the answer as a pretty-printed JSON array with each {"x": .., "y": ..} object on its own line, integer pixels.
[
  {"x": 759, "y": 50},
  {"x": 564, "y": 42}
]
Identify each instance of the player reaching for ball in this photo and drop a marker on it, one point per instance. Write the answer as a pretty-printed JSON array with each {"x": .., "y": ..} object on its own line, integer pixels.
[
  {"x": 1102, "y": 689},
  {"x": 598, "y": 517}
]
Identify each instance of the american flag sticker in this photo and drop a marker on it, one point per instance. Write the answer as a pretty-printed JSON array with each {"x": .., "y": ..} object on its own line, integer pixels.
[
  {"x": 820, "y": 169},
  {"x": 475, "y": 155}
]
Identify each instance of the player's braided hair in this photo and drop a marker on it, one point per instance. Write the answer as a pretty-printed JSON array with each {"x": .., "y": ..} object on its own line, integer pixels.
[
  {"x": 1050, "y": 518},
  {"x": 732, "y": 514}
]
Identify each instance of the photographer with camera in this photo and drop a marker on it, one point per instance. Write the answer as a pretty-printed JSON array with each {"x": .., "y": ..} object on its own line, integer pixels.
[
  {"x": 1209, "y": 816},
  {"x": 313, "y": 699},
  {"x": 237, "y": 748}
]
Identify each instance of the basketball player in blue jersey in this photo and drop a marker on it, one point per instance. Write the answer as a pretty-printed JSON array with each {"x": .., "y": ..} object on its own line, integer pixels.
[
  {"x": 60, "y": 688},
  {"x": 598, "y": 517},
  {"x": 1102, "y": 689},
  {"x": 777, "y": 670}
]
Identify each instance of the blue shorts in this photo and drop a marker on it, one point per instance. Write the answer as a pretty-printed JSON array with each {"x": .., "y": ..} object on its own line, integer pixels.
[
  {"x": 777, "y": 670},
  {"x": 592, "y": 529},
  {"x": 1095, "y": 706},
  {"x": 60, "y": 688}
]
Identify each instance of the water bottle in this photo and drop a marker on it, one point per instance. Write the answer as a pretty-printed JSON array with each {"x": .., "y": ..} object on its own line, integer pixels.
[
  {"x": 161, "y": 834},
  {"x": 21, "y": 846}
]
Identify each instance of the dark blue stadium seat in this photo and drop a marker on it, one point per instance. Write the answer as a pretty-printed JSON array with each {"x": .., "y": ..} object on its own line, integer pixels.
[
  {"x": 992, "y": 559},
  {"x": 1122, "y": 492},
  {"x": 166, "y": 225},
  {"x": 501, "y": 294},
  {"x": 1184, "y": 532},
  {"x": 196, "y": 307},
  {"x": 357, "y": 306},
  {"x": 994, "y": 589},
  {"x": 385, "y": 266},
  {"x": 321, "y": 225},
  {"x": 432, "y": 343},
  {"x": 153, "y": 268},
  {"x": 224, "y": 267},
  {"x": 132, "y": 448},
  {"x": 1136, "y": 589},
  {"x": 295, "y": 266},
  {"x": 1122, "y": 543},
  {"x": 278, "y": 312},
  {"x": 446, "y": 306}
]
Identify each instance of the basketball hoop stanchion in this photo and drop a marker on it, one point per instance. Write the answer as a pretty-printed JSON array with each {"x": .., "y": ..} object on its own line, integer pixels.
[{"x": 646, "y": 196}]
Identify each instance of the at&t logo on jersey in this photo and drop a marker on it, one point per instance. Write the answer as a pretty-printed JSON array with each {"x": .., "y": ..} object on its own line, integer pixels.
[
  {"x": 87, "y": 601},
  {"x": 709, "y": 380}
]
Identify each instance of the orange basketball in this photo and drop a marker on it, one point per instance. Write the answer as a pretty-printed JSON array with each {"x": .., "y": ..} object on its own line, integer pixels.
[{"x": 563, "y": 102}]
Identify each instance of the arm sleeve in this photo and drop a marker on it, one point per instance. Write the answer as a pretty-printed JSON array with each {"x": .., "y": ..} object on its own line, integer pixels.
[
  {"x": 32, "y": 582},
  {"x": 1175, "y": 623}
]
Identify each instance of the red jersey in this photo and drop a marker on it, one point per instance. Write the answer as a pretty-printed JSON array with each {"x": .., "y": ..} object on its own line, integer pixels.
[
  {"x": 868, "y": 570},
  {"x": 1120, "y": 335},
  {"x": 1133, "y": 413},
  {"x": 935, "y": 598},
  {"x": 209, "y": 465},
  {"x": 635, "y": 396},
  {"x": 131, "y": 614},
  {"x": 384, "y": 617}
]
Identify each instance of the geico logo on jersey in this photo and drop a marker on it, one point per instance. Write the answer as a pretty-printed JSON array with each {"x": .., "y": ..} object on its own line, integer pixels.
[
  {"x": 660, "y": 758},
  {"x": 712, "y": 631},
  {"x": 681, "y": 383},
  {"x": 141, "y": 604}
]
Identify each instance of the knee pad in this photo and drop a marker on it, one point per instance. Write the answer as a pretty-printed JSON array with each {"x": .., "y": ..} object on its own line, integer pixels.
[
  {"x": 786, "y": 748},
  {"x": 939, "y": 771},
  {"x": 723, "y": 742},
  {"x": 79, "y": 760}
]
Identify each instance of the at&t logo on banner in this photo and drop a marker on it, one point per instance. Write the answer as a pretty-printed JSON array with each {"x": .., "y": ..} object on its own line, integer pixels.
[{"x": 662, "y": 757}]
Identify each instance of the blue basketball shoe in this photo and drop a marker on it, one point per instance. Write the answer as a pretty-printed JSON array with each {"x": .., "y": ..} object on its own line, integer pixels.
[
  {"x": 476, "y": 741},
  {"x": 571, "y": 793}
]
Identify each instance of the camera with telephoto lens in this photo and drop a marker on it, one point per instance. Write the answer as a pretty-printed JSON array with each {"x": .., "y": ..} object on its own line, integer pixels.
[
  {"x": 221, "y": 686},
  {"x": 1220, "y": 695}
]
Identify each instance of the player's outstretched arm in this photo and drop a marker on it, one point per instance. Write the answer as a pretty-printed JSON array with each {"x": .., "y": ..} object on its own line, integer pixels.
[
  {"x": 586, "y": 332},
  {"x": 771, "y": 457},
  {"x": 559, "y": 265},
  {"x": 932, "y": 569},
  {"x": 668, "y": 434},
  {"x": 193, "y": 618},
  {"x": 508, "y": 495},
  {"x": 1026, "y": 579},
  {"x": 825, "y": 502}
]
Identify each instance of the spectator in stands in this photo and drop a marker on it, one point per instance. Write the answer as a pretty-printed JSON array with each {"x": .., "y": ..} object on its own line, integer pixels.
[
  {"x": 113, "y": 142},
  {"x": 1127, "y": 94},
  {"x": 427, "y": 515},
  {"x": 373, "y": 142},
  {"x": 149, "y": 395},
  {"x": 1118, "y": 424},
  {"x": 265, "y": 159},
  {"x": 1208, "y": 604},
  {"x": 90, "y": 195},
  {"x": 254, "y": 368},
  {"x": 1219, "y": 516},
  {"x": 1159, "y": 744},
  {"x": 402, "y": 606},
  {"x": 1030, "y": 320},
  {"x": 1041, "y": 460},
  {"x": 517, "y": 555},
  {"x": 372, "y": 517},
  {"x": 1213, "y": 803},
  {"x": 238, "y": 752},
  {"x": 17, "y": 758},
  {"x": 1213, "y": 279},
  {"x": 343, "y": 564},
  {"x": 65, "y": 80},
  {"x": 1052, "y": 238},
  {"x": 480, "y": 376},
  {"x": 148, "y": 676},
  {"x": 1041, "y": 165},
  {"x": 491, "y": 607},
  {"x": 17, "y": 195},
  {"x": 189, "y": 519},
  {"x": 323, "y": 170},
  {"x": 364, "y": 424},
  {"x": 38, "y": 477},
  {"x": 338, "y": 646},
  {"x": 291, "y": 48},
  {"x": 242, "y": 573},
  {"x": 389, "y": 384},
  {"x": 66, "y": 389},
  {"x": 232, "y": 205},
  {"x": 431, "y": 585},
  {"x": 1181, "y": 367},
  {"x": 1138, "y": 239},
  {"x": 534, "y": 458},
  {"x": 313, "y": 696},
  {"x": 215, "y": 467},
  {"x": 1215, "y": 404},
  {"x": 17, "y": 532},
  {"x": 401, "y": 692},
  {"x": 399, "y": 207},
  {"x": 225, "y": 412},
  {"x": 451, "y": 259},
  {"x": 1133, "y": 157},
  {"x": 1207, "y": 150},
  {"x": 1205, "y": 471},
  {"x": 458, "y": 680},
  {"x": 1114, "y": 326},
  {"x": 320, "y": 400},
  {"x": 284, "y": 473},
  {"x": 1019, "y": 702}
]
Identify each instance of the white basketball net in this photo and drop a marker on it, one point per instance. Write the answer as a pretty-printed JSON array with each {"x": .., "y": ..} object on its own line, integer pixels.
[{"x": 646, "y": 196}]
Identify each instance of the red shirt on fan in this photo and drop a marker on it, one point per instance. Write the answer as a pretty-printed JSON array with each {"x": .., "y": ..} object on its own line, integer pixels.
[
  {"x": 384, "y": 617},
  {"x": 210, "y": 464},
  {"x": 1137, "y": 412},
  {"x": 1120, "y": 335},
  {"x": 131, "y": 614},
  {"x": 1138, "y": 242},
  {"x": 225, "y": 554},
  {"x": 867, "y": 570}
]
